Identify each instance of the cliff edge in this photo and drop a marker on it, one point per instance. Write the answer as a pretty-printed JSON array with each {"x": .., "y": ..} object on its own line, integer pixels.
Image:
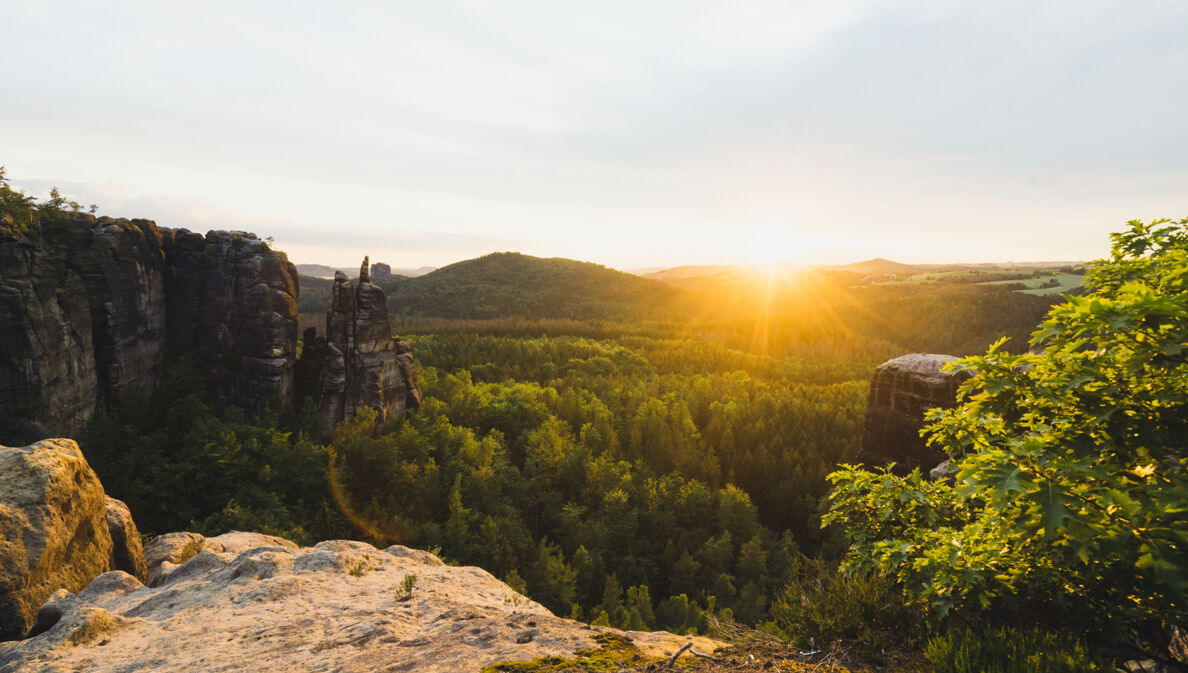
[{"x": 90, "y": 307}]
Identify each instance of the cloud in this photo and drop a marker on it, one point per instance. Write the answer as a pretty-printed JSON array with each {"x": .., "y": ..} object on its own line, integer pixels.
[{"x": 615, "y": 131}]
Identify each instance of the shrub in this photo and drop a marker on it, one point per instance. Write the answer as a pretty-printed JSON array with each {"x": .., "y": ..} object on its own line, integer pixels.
[
  {"x": 404, "y": 593},
  {"x": 1069, "y": 505},
  {"x": 1010, "y": 650},
  {"x": 824, "y": 606}
]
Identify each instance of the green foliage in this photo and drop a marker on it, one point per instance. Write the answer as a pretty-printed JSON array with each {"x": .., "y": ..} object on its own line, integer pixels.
[
  {"x": 404, "y": 593},
  {"x": 179, "y": 465},
  {"x": 1070, "y": 500},
  {"x": 16, "y": 207},
  {"x": 502, "y": 284},
  {"x": 604, "y": 490},
  {"x": 1010, "y": 650},
  {"x": 614, "y": 653},
  {"x": 823, "y": 606}
]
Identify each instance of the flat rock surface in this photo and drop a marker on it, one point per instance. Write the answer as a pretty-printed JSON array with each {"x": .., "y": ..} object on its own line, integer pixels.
[{"x": 332, "y": 607}]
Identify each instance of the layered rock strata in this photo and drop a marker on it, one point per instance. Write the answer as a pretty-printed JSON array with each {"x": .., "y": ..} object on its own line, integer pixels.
[
  {"x": 90, "y": 307},
  {"x": 900, "y": 392},
  {"x": 358, "y": 363}
]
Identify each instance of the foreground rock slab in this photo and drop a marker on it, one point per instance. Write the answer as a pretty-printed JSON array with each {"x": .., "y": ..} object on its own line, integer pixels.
[
  {"x": 53, "y": 529},
  {"x": 337, "y": 606}
]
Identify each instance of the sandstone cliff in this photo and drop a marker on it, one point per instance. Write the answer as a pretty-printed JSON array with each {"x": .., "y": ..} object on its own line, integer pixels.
[
  {"x": 901, "y": 391},
  {"x": 358, "y": 363},
  {"x": 90, "y": 307}
]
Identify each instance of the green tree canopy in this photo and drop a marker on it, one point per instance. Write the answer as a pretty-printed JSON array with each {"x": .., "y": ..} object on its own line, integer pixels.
[{"x": 1068, "y": 500}]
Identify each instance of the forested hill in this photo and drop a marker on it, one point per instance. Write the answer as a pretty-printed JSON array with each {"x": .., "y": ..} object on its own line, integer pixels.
[
  {"x": 794, "y": 311},
  {"x": 506, "y": 284}
]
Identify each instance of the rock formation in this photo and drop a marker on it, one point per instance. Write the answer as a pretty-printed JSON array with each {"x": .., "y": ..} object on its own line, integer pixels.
[
  {"x": 54, "y": 529},
  {"x": 901, "y": 391},
  {"x": 127, "y": 553},
  {"x": 90, "y": 307},
  {"x": 380, "y": 272},
  {"x": 253, "y": 602},
  {"x": 233, "y": 301},
  {"x": 358, "y": 363},
  {"x": 244, "y": 601}
]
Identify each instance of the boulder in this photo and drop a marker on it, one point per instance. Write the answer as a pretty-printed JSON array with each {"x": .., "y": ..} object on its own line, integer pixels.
[
  {"x": 53, "y": 529},
  {"x": 237, "y": 542},
  {"x": 164, "y": 552},
  {"x": 127, "y": 552},
  {"x": 901, "y": 391}
]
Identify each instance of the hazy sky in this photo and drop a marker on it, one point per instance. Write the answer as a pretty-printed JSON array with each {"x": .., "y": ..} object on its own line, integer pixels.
[{"x": 627, "y": 133}]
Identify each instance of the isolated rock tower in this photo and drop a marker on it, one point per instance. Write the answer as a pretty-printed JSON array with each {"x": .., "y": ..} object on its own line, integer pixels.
[
  {"x": 902, "y": 390},
  {"x": 359, "y": 363}
]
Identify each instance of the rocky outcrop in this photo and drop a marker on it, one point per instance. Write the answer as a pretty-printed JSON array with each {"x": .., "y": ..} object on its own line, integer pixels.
[
  {"x": 380, "y": 272},
  {"x": 127, "y": 552},
  {"x": 253, "y": 603},
  {"x": 358, "y": 363},
  {"x": 90, "y": 307},
  {"x": 233, "y": 303},
  {"x": 901, "y": 391},
  {"x": 53, "y": 528},
  {"x": 167, "y": 551}
]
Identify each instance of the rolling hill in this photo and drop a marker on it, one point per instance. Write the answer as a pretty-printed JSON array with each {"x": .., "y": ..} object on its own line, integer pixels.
[{"x": 507, "y": 284}]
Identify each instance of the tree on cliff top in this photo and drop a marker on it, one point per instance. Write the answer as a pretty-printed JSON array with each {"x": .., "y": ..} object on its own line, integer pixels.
[{"x": 1069, "y": 499}]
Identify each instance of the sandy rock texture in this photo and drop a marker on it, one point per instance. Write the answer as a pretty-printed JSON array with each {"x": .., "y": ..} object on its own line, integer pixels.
[
  {"x": 53, "y": 528},
  {"x": 245, "y": 602},
  {"x": 127, "y": 552}
]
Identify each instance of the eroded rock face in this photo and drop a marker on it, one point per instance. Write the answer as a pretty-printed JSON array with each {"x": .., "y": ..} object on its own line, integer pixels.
[
  {"x": 275, "y": 607},
  {"x": 380, "y": 272},
  {"x": 233, "y": 301},
  {"x": 90, "y": 307},
  {"x": 901, "y": 391},
  {"x": 53, "y": 528},
  {"x": 127, "y": 552},
  {"x": 359, "y": 364}
]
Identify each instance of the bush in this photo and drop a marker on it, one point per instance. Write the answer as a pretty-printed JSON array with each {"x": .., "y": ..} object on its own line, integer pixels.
[
  {"x": 863, "y": 609},
  {"x": 1068, "y": 507},
  {"x": 1010, "y": 650}
]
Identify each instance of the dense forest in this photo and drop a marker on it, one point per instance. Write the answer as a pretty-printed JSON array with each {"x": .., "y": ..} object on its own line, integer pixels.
[
  {"x": 679, "y": 458},
  {"x": 619, "y": 458}
]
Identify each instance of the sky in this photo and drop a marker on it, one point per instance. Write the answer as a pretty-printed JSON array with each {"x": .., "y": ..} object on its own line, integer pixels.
[{"x": 632, "y": 134}]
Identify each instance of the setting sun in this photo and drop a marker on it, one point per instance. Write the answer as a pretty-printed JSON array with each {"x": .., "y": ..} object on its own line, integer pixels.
[{"x": 448, "y": 335}]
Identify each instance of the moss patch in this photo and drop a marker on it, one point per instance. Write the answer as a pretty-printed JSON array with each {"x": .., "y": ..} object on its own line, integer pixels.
[{"x": 612, "y": 651}]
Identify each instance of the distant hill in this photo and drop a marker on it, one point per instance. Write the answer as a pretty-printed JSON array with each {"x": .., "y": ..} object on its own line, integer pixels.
[
  {"x": 508, "y": 284},
  {"x": 320, "y": 270},
  {"x": 323, "y": 271},
  {"x": 877, "y": 265}
]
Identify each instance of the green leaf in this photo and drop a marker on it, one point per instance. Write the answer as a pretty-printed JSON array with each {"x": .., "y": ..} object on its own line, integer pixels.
[{"x": 1055, "y": 509}]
